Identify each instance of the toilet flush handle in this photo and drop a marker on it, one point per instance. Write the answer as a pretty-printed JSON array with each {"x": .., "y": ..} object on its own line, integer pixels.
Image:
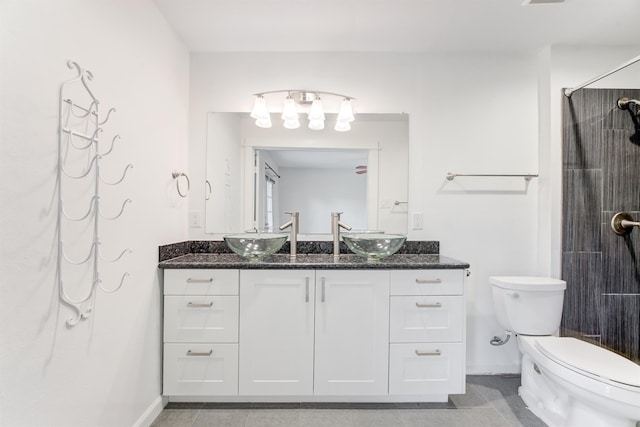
[{"x": 513, "y": 295}]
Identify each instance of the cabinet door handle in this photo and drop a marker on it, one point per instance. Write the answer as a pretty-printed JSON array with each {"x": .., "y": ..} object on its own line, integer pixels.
[
  {"x": 427, "y": 281},
  {"x": 428, "y": 353},
  {"x": 192, "y": 280},
  {"x": 199, "y": 305},
  {"x": 436, "y": 305},
  {"x": 199, "y": 353},
  {"x": 322, "y": 291},
  {"x": 306, "y": 285}
]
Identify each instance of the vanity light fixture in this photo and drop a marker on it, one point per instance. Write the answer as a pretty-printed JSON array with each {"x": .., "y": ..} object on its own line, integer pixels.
[{"x": 303, "y": 101}]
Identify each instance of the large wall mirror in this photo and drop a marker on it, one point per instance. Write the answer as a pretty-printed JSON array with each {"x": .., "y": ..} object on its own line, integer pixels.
[{"x": 254, "y": 175}]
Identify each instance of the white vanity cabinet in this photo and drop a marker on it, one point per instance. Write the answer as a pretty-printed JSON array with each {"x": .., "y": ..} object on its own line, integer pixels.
[
  {"x": 200, "y": 332},
  {"x": 314, "y": 334},
  {"x": 427, "y": 333},
  {"x": 305, "y": 332}
]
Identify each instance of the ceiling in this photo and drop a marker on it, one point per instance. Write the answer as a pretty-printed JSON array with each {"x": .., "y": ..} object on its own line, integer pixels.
[{"x": 437, "y": 26}]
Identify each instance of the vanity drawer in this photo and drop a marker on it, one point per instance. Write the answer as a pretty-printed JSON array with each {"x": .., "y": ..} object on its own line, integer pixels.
[
  {"x": 427, "y": 318},
  {"x": 427, "y": 282},
  {"x": 201, "y": 282},
  {"x": 205, "y": 318},
  {"x": 200, "y": 369},
  {"x": 434, "y": 368}
]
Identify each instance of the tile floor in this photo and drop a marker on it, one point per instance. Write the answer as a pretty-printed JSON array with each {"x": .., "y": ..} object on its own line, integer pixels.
[{"x": 490, "y": 401}]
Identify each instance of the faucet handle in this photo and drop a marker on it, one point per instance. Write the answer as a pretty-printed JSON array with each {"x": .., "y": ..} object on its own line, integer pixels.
[
  {"x": 345, "y": 226},
  {"x": 293, "y": 222}
]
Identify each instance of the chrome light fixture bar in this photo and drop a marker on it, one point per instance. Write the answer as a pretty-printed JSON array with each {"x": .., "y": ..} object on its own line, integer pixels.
[{"x": 297, "y": 101}]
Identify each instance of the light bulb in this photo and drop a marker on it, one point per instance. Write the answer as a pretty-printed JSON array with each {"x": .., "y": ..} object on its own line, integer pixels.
[
  {"x": 291, "y": 124},
  {"x": 316, "y": 112},
  {"x": 342, "y": 126},
  {"x": 259, "y": 110},
  {"x": 346, "y": 111},
  {"x": 264, "y": 123},
  {"x": 316, "y": 124},
  {"x": 289, "y": 110}
]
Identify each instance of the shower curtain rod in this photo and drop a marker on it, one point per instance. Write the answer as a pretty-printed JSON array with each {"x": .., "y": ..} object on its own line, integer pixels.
[{"x": 569, "y": 92}]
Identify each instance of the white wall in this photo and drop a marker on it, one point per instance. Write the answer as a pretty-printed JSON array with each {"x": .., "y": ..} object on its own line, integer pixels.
[
  {"x": 468, "y": 113},
  {"x": 105, "y": 371}
]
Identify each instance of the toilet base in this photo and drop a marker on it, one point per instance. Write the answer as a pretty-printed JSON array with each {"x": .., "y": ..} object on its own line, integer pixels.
[
  {"x": 537, "y": 407},
  {"x": 579, "y": 415},
  {"x": 552, "y": 402},
  {"x": 542, "y": 397}
]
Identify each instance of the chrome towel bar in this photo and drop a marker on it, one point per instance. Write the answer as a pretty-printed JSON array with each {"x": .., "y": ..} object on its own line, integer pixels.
[{"x": 526, "y": 176}]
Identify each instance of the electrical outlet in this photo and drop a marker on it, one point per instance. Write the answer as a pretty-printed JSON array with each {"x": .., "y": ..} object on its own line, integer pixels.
[
  {"x": 417, "y": 220},
  {"x": 195, "y": 219}
]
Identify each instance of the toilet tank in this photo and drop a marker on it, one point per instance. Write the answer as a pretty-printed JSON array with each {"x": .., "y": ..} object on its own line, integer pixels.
[{"x": 528, "y": 305}]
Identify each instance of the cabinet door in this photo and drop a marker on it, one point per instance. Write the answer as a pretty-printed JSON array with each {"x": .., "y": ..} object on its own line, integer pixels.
[
  {"x": 352, "y": 332},
  {"x": 276, "y": 332}
]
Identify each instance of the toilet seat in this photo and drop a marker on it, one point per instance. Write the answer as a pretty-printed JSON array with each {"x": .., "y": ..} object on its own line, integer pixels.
[{"x": 592, "y": 361}]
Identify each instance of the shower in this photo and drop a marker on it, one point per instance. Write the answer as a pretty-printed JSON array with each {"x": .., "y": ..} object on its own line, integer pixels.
[{"x": 633, "y": 107}]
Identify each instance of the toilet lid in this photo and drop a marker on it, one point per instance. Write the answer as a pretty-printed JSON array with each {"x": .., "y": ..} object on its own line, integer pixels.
[
  {"x": 589, "y": 358},
  {"x": 528, "y": 283}
]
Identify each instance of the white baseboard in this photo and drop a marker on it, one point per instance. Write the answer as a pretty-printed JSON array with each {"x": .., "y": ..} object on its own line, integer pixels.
[
  {"x": 493, "y": 369},
  {"x": 151, "y": 413}
]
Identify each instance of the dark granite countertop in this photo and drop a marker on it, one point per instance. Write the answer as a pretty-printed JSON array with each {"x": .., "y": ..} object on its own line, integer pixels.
[{"x": 314, "y": 261}]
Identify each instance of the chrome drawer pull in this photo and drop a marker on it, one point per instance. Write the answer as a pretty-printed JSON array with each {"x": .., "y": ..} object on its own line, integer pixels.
[
  {"x": 322, "y": 290},
  {"x": 191, "y": 280},
  {"x": 306, "y": 292},
  {"x": 436, "y": 305},
  {"x": 199, "y": 305},
  {"x": 199, "y": 353},
  {"x": 428, "y": 353},
  {"x": 428, "y": 281}
]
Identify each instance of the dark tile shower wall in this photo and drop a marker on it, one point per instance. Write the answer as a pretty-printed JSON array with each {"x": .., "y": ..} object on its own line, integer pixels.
[{"x": 601, "y": 176}]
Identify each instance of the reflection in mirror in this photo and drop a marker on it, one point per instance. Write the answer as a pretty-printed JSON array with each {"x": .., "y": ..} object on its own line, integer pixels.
[
  {"x": 313, "y": 183},
  {"x": 254, "y": 175}
]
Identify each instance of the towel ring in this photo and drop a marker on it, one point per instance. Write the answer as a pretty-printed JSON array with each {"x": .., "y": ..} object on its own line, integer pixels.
[
  {"x": 208, "y": 185},
  {"x": 176, "y": 175}
]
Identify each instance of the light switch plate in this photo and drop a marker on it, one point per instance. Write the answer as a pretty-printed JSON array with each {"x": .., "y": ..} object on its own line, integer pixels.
[
  {"x": 417, "y": 221},
  {"x": 195, "y": 219}
]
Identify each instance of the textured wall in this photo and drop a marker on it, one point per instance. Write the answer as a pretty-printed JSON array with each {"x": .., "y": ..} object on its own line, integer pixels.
[{"x": 601, "y": 176}]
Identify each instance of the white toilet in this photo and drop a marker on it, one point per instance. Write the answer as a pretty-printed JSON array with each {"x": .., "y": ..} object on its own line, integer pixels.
[{"x": 565, "y": 381}]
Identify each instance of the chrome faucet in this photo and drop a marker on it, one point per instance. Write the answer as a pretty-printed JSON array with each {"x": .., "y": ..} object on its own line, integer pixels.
[
  {"x": 335, "y": 232},
  {"x": 293, "y": 240}
]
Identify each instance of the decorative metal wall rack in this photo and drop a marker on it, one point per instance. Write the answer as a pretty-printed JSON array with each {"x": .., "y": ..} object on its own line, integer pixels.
[{"x": 80, "y": 124}]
